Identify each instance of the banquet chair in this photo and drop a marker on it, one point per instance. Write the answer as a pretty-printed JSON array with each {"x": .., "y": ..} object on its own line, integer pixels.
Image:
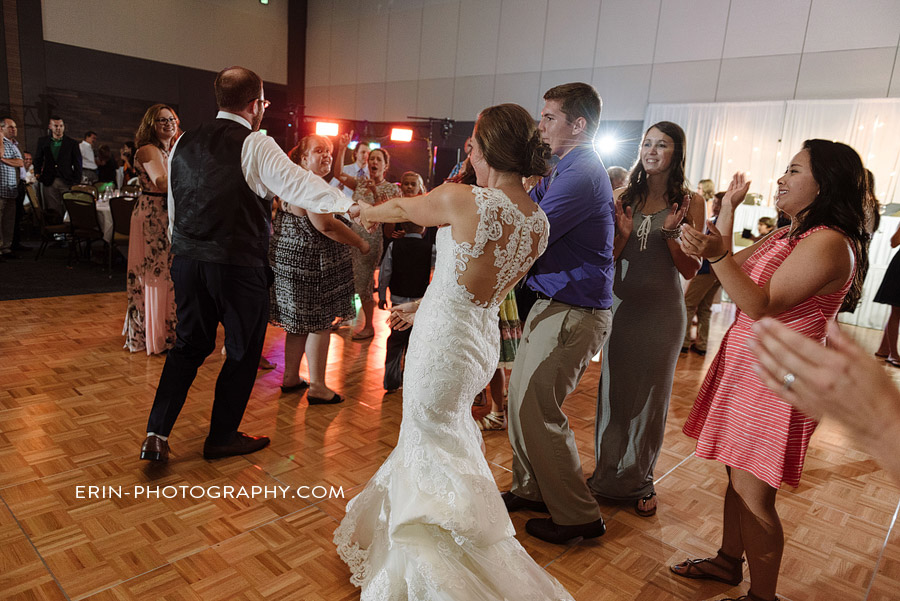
[
  {"x": 83, "y": 220},
  {"x": 86, "y": 188},
  {"x": 47, "y": 231},
  {"x": 121, "y": 208},
  {"x": 130, "y": 190}
]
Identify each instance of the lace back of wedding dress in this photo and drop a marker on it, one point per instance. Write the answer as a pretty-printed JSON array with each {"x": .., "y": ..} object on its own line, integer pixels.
[
  {"x": 430, "y": 525},
  {"x": 506, "y": 237}
]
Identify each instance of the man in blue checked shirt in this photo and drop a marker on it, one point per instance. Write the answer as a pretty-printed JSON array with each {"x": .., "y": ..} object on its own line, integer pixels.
[{"x": 10, "y": 163}]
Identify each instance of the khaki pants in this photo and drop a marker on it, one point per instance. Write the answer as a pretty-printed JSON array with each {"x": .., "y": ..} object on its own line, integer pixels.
[
  {"x": 52, "y": 197},
  {"x": 557, "y": 345},
  {"x": 698, "y": 298}
]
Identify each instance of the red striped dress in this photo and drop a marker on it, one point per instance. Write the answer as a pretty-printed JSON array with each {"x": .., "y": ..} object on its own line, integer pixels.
[{"x": 736, "y": 419}]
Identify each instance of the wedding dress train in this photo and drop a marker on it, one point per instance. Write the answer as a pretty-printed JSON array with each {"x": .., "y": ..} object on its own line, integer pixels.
[{"x": 430, "y": 524}]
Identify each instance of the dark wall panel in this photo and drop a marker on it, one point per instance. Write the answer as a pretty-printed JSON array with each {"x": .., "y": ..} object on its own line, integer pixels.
[
  {"x": 34, "y": 81},
  {"x": 109, "y": 93},
  {"x": 4, "y": 74},
  {"x": 84, "y": 70}
]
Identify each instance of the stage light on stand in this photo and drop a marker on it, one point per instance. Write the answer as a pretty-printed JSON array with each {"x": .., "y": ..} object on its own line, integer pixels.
[
  {"x": 374, "y": 145},
  {"x": 353, "y": 144},
  {"x": 326, "y": 128},
  {"x": 401, "y": 134}
]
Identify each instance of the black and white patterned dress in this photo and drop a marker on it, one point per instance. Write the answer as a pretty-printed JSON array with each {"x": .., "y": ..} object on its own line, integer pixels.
[{"x": 313, "y": 276}]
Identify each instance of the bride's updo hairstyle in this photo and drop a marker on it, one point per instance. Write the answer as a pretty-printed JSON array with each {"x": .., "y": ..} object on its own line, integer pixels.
[{"x": 510, "y": 141}]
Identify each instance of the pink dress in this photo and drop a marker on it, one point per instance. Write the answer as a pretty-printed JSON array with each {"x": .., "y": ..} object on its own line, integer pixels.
[
  {"x": 736, "y": 419},
  {"x": 150, "y": 316}
]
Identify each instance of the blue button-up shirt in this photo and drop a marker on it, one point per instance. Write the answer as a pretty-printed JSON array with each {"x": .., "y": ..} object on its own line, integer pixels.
[{"x": 578, "y": 266}]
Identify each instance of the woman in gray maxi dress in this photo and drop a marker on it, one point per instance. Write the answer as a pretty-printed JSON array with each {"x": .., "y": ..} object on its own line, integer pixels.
[{"x": 648, "y": 319}]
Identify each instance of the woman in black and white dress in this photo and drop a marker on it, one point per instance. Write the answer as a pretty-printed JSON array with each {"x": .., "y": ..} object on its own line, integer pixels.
[{"x": 310, "y": 255}]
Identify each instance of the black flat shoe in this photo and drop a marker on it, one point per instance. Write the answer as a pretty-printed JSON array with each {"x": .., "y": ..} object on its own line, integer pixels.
[
  {"x": 548, "y": 530},
  {"x": 241, "y": 444},
  {"x": 314, "y": 400},
  {"x": 302, "y": 385}
]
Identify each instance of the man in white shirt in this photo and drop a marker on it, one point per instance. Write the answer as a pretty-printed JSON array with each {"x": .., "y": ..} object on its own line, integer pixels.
[
  {"x": 88, "y": 161},
  {"x": 358, "y": 168},
  {"x": 222, "y": 177}
]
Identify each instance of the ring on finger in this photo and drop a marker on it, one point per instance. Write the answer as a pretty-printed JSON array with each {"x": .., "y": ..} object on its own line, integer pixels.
[{"x": 787, "y": 381}]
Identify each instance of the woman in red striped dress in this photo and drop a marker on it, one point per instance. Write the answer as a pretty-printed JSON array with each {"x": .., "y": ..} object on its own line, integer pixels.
[{"x": 801, "y": 275}]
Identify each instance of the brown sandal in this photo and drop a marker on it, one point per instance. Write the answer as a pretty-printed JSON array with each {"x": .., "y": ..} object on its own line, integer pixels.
[
  {"x": 694, "y": 568},
  {"x": 639, "y": 506}
]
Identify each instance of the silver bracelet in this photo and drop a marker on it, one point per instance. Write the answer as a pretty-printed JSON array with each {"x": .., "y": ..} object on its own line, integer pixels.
[{"x": 673, "y": 234}]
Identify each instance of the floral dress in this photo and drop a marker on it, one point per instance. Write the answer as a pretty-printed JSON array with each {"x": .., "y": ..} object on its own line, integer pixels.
[
  {"x": 364, "y": 265},
  {"x": 150, "y": 316}
]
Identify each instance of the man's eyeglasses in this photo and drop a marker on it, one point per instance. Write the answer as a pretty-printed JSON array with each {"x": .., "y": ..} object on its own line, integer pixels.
[
  {"x": 163, "y": 120},
  {"x": 265, "y": 103}
]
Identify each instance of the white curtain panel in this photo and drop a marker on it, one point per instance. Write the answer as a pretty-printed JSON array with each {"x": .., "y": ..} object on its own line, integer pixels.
[{"x": 761, "y": 137}]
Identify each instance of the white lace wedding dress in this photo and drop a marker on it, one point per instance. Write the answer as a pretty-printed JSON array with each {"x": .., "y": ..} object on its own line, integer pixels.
[{"x": 430, "y": 525}]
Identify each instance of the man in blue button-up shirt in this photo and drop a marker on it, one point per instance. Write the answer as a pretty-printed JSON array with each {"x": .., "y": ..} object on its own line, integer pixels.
[{"x": 567, "y": 325}]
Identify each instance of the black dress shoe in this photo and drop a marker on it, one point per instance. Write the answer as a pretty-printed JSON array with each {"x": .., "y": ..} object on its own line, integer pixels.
[
  {"x": 314, "y": 400},
  {"x": 242, "y": 444},
  {"x": 699, "y": 351},
  {"x": 547, "y": 530},
  {"x": 301, "y": 385},
  {"x": 514, "y": 503},
  {"x": 155, "y": 449}
]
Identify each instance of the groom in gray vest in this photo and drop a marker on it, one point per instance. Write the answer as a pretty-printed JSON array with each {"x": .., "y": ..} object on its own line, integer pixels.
[{"x": 222, "y": 177}]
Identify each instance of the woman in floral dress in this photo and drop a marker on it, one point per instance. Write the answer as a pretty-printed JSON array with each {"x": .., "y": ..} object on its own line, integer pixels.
[
  {"x": 373, "y": 190},
  {"x": 150, "y": 316}
]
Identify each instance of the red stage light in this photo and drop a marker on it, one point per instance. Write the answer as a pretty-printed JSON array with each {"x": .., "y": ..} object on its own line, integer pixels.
[
  {"x": 326, "y": 128},
  {"x": 401, "y": 134}
]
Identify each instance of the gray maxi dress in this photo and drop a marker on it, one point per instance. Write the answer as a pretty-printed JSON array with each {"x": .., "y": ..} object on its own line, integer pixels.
[{"x": 638, "y": 363}]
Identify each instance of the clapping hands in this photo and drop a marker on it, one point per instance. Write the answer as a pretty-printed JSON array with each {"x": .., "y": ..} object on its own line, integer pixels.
[
  {"x": 737, "y": 190},
  {"x": 624, "y": 219},
  {"x": 707, "y": 246},
  {"x": 677, "y": 212}
]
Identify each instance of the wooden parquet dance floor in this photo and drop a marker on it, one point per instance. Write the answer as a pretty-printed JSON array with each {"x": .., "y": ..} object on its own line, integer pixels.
[{"x": 73, "y": 410}]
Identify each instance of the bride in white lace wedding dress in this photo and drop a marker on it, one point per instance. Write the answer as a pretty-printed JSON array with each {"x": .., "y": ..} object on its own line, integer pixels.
[{"x": 430, "y": 525}]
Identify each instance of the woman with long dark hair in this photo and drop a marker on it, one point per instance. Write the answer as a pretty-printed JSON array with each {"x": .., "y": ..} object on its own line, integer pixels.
[
  {"x": 800, "y": 275},
  {"x": 648, "y": 319},
  {"x": 150, "y": 316}
]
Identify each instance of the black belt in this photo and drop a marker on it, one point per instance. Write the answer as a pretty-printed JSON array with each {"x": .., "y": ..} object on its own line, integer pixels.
[{"x": 543, "y": 296}]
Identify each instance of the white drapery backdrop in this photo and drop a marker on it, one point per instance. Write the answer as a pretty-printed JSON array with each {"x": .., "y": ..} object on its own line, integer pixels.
[{"x": 761, "y": 137}]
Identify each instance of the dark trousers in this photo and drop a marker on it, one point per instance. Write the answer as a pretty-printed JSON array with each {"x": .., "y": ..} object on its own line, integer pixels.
[
  {"x": 20, "y": 214},
  {"x": 207, "y": 294},
  {"x": 396, "y": 346}
]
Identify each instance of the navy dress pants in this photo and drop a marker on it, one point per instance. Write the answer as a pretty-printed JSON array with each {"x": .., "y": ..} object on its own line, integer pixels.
[{"x": 207, "y": 294}]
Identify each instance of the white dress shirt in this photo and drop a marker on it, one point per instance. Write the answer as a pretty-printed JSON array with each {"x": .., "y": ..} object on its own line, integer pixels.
[
  {"x": 269, "y": 173},
  {"x": 87, "y": 156}
]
